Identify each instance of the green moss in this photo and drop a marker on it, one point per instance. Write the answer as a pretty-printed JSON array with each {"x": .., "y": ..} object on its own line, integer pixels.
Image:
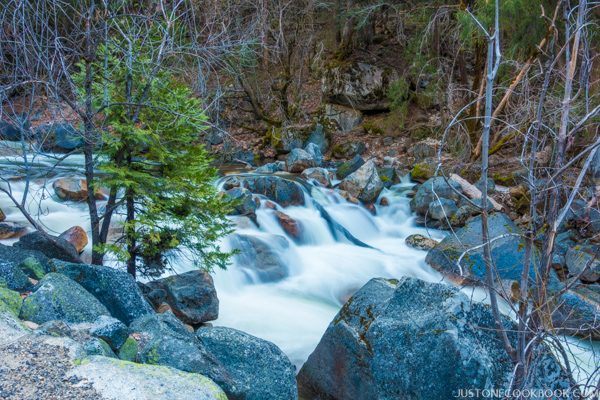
[
  {"x": 373, "y": 128},
  {"x": 153, "y": 357},
  {"x": 422, "y": 171},
  {"x": 10, "y": 301},
  {"x": 32, "y": 268},
  {"x": 129, "y": 350}
]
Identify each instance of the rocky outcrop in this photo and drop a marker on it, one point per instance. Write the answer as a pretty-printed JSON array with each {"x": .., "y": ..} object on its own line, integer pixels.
[
  {"x": 191, "y": 296},
  {"x": 298, "y": 160},
  {"x": 344, "y": 118},
  {"x": 261, "y": 259},
  {"x": 50, "y": 246},
  {"x": 115, "y": 289},
  {"x": 415, "y": 340},
  {"x": 282, "y": 191},
  {"x": 257, "y": 368},
  {"x": 57, "y": 297},
  {"x": 364, "y": 183},
  {"x": 361, "y": 86}
]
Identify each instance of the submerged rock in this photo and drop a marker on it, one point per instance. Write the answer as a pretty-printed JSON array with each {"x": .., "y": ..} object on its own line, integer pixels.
[
  {"x": 289, "y": 225},
  {"x": 364, "y": 183},
  {"x": 258, "y": 368},
  {"x": 57, "y": 297},
  {"x": 410, "y": 339},
  {"x": 115, "y": 289},
  {"x": 191, "y": 296},
  {"x": 261, "y": 259}
]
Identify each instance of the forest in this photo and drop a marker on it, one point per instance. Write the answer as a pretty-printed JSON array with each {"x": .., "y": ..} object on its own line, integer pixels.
[{"x": 299, "y": 199}]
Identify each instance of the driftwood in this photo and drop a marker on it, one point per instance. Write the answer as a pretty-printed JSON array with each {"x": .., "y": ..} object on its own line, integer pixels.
[{"x": 472, "y": 191}]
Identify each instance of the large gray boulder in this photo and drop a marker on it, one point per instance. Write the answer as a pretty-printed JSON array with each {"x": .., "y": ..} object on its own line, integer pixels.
[
  {"x": 191, "y": 296},
  {"x": 257, "y": 367},
  {"x": 31, "y": 262},
  {"x": 114, "y": 288},
  {"x": 57, "y": 297},
  {"x": 298, "y": 160},
  {"x": 261, "y": 260},
  {"x": 50, "y": 246},
  {"x": 361, "y": 86},
  {"x": 315, "y": 152},
  {"x": 507, "y": 246},
  {"x": 283, "y": 191},
  {"x": 432, "y": 190},
  {"x": 110, "y": 330},
  {"x": 414, "y": 340},
  {"x": 364, "y": 183},
  {"x": 13, "y": 277}
]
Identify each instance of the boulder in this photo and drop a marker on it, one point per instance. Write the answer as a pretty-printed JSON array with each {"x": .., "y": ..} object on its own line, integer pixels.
[
  {"x": 424, "y": 149},
  {"x": 320, "y": 175},
  {"x": 298, "y": 160},
  {"x": 97, "y": 347},
  {"x": 164, "y": 340},
  {"x": 361, "y": 86},
  {"x": 315, "y": 153},
  {"x": 584, "y": 261},
  {"x": 442, "y": 209},
  {"x": 577, "y": 312},
  {"x": 508, "y": 251},
  {"x": 410, "y": 339},
  {"x": 388, "y": 176},
  {"x": 50, "y": 246},
  {"x": 59, "y": 137},
  {"x": 258, "y": 368},
  {"x": 348, "y": 167},
  {"x": 261, "y": 260},
  {"x": 191, "y": 296},
  {"x": 364, "y": 183},
  {"x": 10, "y": 230},
  {"x": 110, "y": 330},
  {"x": 422, "y": 171},
  {"x": 72, "y": 189},
  {"x": 246, "y": 204},
  {"x": 33, "y": 263},
  {"x": 77, "y": 236},
  {"x": 114, "y": 288},
  {"x": 271, "y": 168},
  {"x": 420, "y": 242},
  {"x": 348, "y": 149},
  {"x": 13, "y": 277},
  {"x": 289, "y": 225},
  {"x": 344, "y": 118},
  {"x": 57, "y": 297},
  {"x": 283, "y": 191},
  {"x": 431, "y": 190},
  {"x": 114, "y": 379}
]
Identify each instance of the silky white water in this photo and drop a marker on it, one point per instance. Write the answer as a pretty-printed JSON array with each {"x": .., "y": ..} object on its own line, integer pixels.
[{"x": 323, "y": 269}]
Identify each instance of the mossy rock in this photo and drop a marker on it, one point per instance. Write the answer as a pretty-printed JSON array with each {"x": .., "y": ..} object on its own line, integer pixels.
[
  {"x": 98, "y": 347},
  {"x": 129, "y": 350},
  {"x": 10, "y": 301},
  {"x": 33, "y": 268},
  {"x": 422, "y": 171}
]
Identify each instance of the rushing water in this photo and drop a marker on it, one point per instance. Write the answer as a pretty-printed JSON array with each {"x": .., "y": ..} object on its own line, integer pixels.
[{"x": 323, "y": 267}]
